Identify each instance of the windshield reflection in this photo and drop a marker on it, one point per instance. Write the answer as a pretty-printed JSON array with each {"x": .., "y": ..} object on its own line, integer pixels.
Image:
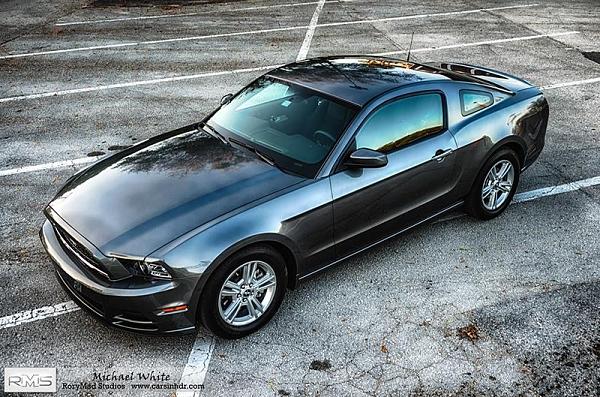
[{"x": 292, "y": 125}]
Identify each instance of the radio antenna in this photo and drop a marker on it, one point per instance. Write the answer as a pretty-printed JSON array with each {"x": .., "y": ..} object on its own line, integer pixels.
[{"x": 410, "y": 46}]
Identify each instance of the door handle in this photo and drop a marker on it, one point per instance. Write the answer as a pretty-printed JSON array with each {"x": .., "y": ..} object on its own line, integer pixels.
[{"x": 440, "y": 154}]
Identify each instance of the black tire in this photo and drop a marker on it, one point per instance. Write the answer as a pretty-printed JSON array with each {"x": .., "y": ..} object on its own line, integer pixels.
[
  {"x": 474, "y": 204},
  {"x": 208, "y": 307}
]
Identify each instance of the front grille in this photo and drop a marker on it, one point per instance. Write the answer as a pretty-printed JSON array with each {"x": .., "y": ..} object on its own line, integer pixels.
[
  {"x": 78, "y": 251},
  {"x": 81, "y": 293}
]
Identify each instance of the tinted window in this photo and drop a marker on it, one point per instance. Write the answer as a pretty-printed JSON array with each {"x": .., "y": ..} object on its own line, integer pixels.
[
  {"x": 401, "y": 122},
  {"x": 472, "y": 101},
  {"x": 293, "y": 125},
  {"x": 269, "y": 93}
]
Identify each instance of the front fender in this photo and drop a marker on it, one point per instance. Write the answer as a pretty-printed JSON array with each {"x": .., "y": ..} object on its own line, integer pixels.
[
  {"x": 200, "y": 255},
  {"x": 301, "y": 220},
  {"x": 267, "y": 238}
]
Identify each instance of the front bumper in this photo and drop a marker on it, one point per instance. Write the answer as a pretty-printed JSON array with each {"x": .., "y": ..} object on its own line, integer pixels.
[{"x": 138, "y": 308}]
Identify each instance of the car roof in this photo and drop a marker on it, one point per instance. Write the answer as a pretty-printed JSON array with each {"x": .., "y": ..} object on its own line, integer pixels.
[{"x": 358, "y": 79}]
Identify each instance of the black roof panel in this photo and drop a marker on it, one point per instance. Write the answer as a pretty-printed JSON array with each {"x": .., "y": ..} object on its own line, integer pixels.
[{"x": 357, "y": 79}]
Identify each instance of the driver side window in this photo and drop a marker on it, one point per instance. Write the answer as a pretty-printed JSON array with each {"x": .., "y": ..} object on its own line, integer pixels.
[{"x": 401, "y": 122}]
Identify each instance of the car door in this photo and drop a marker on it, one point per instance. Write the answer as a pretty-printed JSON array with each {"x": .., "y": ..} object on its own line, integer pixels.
[{"x": 370, "y": 204}]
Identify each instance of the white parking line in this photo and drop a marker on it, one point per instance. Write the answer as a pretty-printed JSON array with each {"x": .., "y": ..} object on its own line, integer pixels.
[
  {"x": 189, "y": 14},
  {"x": 41, "y": 313},
  {"x": 107, "y": 20},
  {"x": 134, "y": 83},
  {"x": 310, "y": 32},
  {"x": 195, "y": 370},
  {"x": 253, "y": 32},
  {"x": 267, "y": 67},
  {"x": 571, "y": 83},
  {"x": 478, "y": 43},
  {"x": 419, "y": 16},
  {"x": 141, "y": 43},
  {"x": 553, "y": 190},
  {"x": 49, "y": 166}
]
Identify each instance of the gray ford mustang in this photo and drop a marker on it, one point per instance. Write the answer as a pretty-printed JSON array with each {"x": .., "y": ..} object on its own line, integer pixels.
[{"x": 306, "y": 166}]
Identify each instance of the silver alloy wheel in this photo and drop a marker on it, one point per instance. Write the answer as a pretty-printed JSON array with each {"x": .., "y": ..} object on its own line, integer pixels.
[
  {"x": 497, "y": 185},
  {"x": 247, "y": 293}
]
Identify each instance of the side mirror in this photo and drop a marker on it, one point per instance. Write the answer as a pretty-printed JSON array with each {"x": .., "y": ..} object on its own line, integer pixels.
[
  {"x": 366, "y": 158},
  {"x": 226, "y": 99}
]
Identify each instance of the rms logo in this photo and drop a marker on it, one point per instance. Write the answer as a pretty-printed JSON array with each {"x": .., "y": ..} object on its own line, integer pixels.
[{"x": 41, "y": 380}]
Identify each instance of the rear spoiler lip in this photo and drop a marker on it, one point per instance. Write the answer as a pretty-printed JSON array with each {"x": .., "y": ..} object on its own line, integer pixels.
[{"x": 447, "y": 67}]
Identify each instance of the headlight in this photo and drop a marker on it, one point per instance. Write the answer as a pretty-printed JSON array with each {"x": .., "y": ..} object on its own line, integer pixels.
[
  {"x": 139, "y": 267},
  {"x": 153, "y": 269}
]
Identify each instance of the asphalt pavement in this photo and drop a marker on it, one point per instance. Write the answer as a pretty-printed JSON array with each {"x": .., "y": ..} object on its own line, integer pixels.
[{"x": 458, "y": 307}]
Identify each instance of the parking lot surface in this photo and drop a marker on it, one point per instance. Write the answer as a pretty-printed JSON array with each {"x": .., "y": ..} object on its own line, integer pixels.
[{"x": 457, "y": 307}]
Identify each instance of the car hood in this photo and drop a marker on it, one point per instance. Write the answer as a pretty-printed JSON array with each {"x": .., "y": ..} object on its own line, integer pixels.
[{"x": 136, "y": 201}]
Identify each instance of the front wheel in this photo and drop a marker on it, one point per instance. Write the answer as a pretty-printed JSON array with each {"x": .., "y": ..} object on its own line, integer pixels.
[
  {"x": 495, "y": 185},
  {"x": 243, "y": 293}
]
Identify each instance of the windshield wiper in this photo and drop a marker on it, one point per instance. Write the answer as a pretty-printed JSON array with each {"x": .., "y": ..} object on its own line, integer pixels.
[
  {"x": 254, "y": 150},
  {"x": 213, "y": 132}
]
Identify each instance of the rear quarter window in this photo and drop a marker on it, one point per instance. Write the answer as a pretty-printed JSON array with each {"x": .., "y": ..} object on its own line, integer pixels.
[{"x": 472, "y": 101}]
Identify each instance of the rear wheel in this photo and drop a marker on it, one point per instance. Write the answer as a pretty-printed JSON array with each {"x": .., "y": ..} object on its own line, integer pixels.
[
  {"x": 495, "y": 185},
  {"x": 243, "y": 293}
]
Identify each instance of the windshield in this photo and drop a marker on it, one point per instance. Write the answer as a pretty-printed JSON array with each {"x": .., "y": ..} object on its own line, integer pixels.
[{"x": 294, "y": 126}]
